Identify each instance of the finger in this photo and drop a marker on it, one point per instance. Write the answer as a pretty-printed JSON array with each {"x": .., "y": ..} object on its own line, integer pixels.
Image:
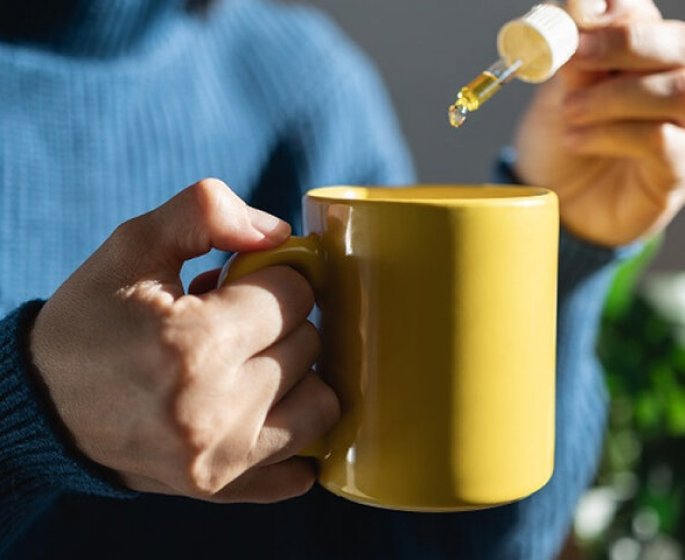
[
  {"x": 587, "y": 12},
  {"x": 635, "y": 46},
  {"x": 636, "y": 8},
  {"x": 304, "y": 415},
  {"x": 204, "y": 282},
  {"x": 203, "y": 216},
  {"x": 267, "y": 304},
  {"x": 271, "y": 483},
  {"x": 657, "y": 141},
  {"x": 285, "y": 363},
  {"x": 595, "y": 13},
  {"x": 267, "y": 484},
  {"x": 629, "y": 97}
]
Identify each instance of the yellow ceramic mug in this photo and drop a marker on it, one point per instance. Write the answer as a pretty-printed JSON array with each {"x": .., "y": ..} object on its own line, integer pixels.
[{"x": 438, "y": 308}]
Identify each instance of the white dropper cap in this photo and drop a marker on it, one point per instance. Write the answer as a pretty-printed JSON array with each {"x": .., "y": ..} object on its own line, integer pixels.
[{"x": 543, "y": 40}]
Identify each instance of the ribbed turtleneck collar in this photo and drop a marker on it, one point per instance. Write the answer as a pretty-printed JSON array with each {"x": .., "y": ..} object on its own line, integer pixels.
[{"x": 91, "y": 28}]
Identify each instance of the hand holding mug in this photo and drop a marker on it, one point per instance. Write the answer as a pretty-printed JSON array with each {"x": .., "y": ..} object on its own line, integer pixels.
[
  {"x": 208, "y": 395},
  {"x": 608, "y": 133}
]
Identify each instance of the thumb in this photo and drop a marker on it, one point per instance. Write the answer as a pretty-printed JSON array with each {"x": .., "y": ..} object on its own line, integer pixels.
[
  {"x": 588, "y": 13},
  {"x": 204, "y": 216},
  {"x": 597, "y": 13}
]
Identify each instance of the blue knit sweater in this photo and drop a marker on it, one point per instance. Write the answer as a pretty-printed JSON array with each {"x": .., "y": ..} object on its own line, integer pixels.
[{"x": 109, "y": 107}]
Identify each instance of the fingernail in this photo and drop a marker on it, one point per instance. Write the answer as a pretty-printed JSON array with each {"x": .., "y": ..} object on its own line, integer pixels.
[
  {"x": 598, "y": 7},
  {"x": 590, "y": 10},
  {"x": 590, "y": 45},
  {"x": 268, "y": 224}
]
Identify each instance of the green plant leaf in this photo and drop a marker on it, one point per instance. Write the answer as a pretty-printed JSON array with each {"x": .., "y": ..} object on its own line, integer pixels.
[{"x": 627, "y": 276}]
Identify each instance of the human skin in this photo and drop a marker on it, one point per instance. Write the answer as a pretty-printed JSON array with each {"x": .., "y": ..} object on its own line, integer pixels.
[{"x": 607, "y": 133}]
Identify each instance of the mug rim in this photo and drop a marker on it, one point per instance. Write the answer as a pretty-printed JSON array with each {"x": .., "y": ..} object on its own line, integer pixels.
[{"x": 434, "y": 194}]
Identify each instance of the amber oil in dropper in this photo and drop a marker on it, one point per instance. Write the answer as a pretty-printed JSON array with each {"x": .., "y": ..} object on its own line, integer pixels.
[{"x": 480, "y": 89}]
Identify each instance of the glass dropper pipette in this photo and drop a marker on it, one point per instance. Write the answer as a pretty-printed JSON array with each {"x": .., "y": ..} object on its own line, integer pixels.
[
  {"x": 482, "y": 88},
  {"x": 531, "y": 48}
]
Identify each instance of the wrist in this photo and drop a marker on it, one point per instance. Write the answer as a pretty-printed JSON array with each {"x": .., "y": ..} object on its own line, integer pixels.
[{"x": 37, "y": 447}]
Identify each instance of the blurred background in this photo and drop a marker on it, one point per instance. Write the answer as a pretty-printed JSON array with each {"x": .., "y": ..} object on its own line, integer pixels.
[{"x": 426, "y": 51}]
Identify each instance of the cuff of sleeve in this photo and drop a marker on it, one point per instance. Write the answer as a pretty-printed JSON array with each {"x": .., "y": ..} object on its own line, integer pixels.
[
  {"x": 37, "y": 456},
  {"x": 578, "y": 251},
  {"x": 579, "y": 259}
]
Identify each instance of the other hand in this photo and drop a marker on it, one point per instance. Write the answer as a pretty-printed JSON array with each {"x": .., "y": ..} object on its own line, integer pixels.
[{"x": 608, "y": 133}]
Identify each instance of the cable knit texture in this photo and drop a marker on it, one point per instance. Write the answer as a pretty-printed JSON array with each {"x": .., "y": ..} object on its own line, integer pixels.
[{"x": 107, "y": 109}]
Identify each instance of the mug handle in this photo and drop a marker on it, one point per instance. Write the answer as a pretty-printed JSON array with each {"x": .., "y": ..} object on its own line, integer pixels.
[{"x": 304, "y": 255}]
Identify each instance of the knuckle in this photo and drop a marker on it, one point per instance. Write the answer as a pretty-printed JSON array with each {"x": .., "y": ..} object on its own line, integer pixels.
[
  {"x": 183, "y": 353},
  {"x": 187, "y": 304},
  {"x": 206, "y": 193},
  {"x": 198, "y": 442},
  {"x": 202, "y": 481},
  {"x": 185, "y": 340},
  {"x": 186, "y": 310},
  {"x": 211, "y": 197},
  {"x": 630, "y": 38},
  {"x": 196, "y": 430},
  {"x": 195, "y": 425},
  {"x": 209, "y": 471}
]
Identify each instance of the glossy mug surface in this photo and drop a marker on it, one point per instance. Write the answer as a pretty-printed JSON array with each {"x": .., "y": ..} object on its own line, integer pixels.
[{"x": 438, "y": 311}]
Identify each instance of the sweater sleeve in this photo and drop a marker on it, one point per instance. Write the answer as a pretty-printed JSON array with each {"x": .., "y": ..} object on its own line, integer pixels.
[{"x": 37, "y": 460}]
